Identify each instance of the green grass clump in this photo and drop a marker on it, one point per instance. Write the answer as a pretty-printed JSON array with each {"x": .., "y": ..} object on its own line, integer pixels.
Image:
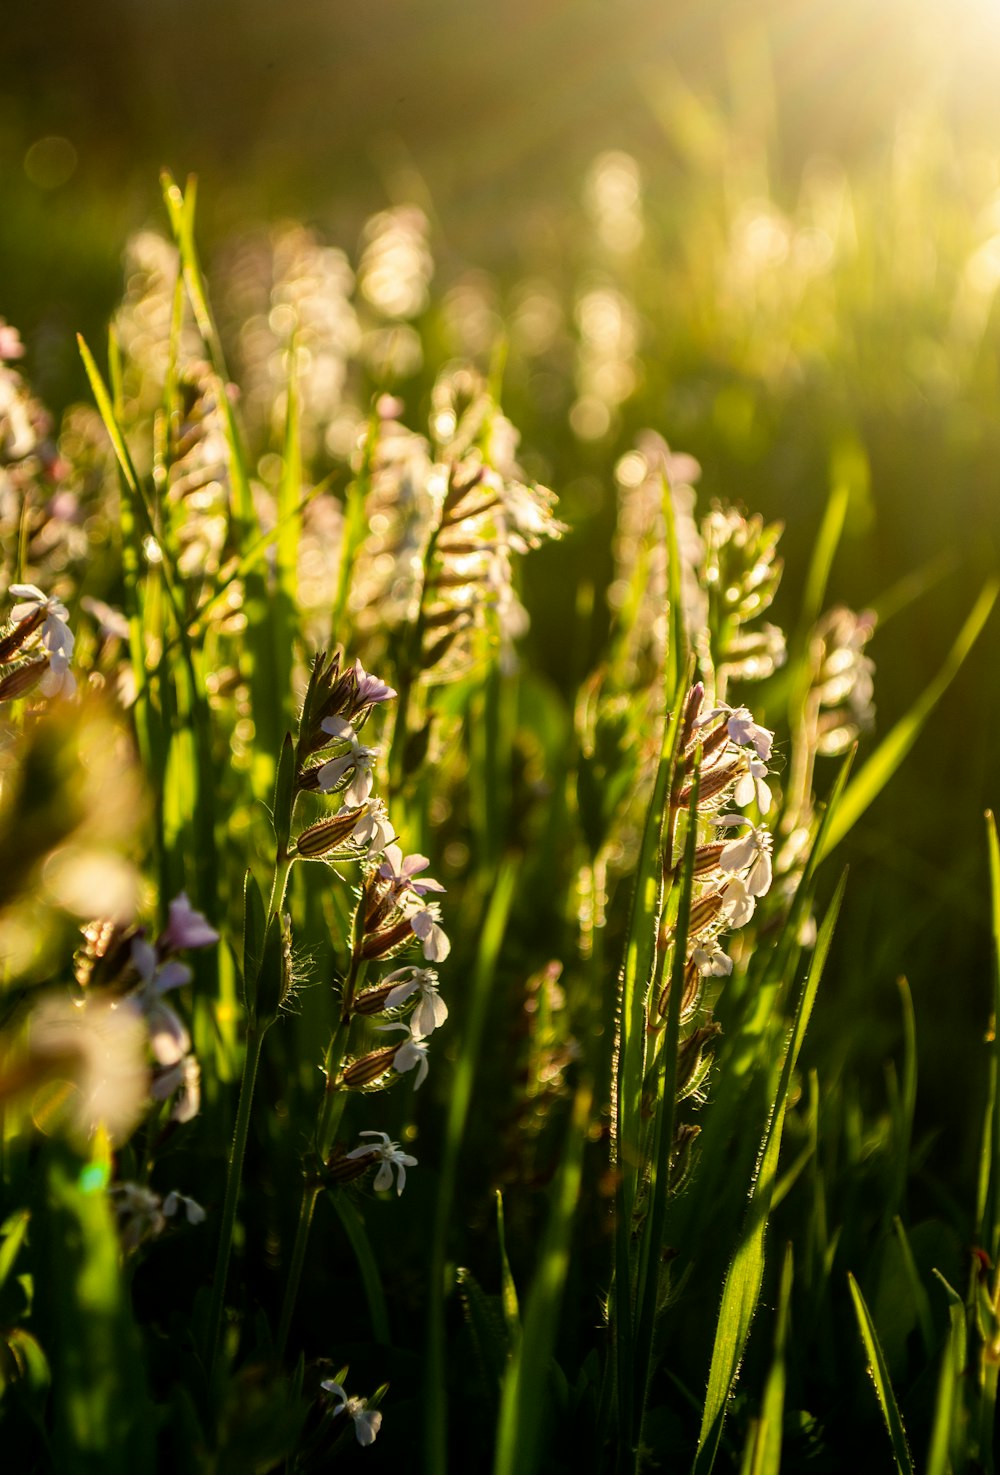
[{"x": 412, "y": 1066}]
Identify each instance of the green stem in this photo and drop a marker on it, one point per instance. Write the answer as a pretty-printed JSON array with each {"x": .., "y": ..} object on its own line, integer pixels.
[
  {"x": 251, "y": 1060},
  {"x": 334, "y": 1101},
  {"x": 310, "y": 1193}
]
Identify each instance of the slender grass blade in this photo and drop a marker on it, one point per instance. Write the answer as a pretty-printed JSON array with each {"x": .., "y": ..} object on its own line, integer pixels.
[{"x": 880, "y": 1376}]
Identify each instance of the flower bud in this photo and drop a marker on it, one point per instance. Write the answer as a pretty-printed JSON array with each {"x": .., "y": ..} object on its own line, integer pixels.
[
  {"x": 372, "y": 1000},
  {"x": 22, "y": 680},
  {"x": 367, "y": 1068},
  {"x": 319, "y": 839},
  {"x": 381, "y": 944}
]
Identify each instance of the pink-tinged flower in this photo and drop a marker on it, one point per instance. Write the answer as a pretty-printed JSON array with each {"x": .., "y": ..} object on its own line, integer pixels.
[
  {"x": 11, "y": 346},
  {"x": 374, "y": 828},
  {"x": 431, "y": 1011},
  {"x": 370, "y": 688},
  {"x": 185, "y": 928},
  {"x": 411, "y": 1054},
  {"x": 367, "y": 1422},
  {"x": 402, "y": 871},
  {"x": 741, "y": 728},
  {"x": 389, "y": 1156},
  {"x": 426, "y": 925}
]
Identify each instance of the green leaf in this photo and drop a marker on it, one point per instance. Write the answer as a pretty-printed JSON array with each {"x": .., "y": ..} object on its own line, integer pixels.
[
  {"x": 880, "y": 767},
  {"x": 948, "y": 1402},
  {"x": 744, "y": 1278},
  {"x": 880, "y": 1376},
  {"x": 487, "y": 1330},
  {"x": 254, "y": 929},
  {"x": 14, "y": 1231}
]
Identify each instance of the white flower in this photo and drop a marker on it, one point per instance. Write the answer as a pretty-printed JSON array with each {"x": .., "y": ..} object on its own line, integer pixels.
[
  {"x": 426, "y": 924},
  {"x": 367, "y": 1422},
  {"x": 751, "y": 854},
  {"x": 737, "y": 903},
  {"x": 711, "y": 961},
  {"x": 390, "y": 1157},
  {"x": 412, "y": 1054},
  {"x": 752, "y": 786},
  {"x": 193, "y": 1212},
  {"x": 431, "y": 1010}
]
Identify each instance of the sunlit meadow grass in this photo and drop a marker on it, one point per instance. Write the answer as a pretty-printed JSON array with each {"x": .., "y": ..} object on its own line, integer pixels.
[{"x": 402, "y": 1054}]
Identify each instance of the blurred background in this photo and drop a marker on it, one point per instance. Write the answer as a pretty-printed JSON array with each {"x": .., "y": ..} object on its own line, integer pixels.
[{"x": 769, "y": 230}]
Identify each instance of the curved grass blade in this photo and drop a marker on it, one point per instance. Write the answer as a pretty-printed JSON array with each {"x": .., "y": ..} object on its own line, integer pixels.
[
  {"x": 880, "y": 1376},
  {"x": 525, "y": 1396},
  {"x": 647, "y": 1291},
  {"x": 371, "y": 1279},
  {"x": 880, "y": 767},
  {"x": 744, "y": 1278}
]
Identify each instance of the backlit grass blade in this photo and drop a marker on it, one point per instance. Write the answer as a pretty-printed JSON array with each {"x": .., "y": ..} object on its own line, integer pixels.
[
  {"x": 880, "y": 767},
  {"x": 880, "y": 1376},
  {"x": 490, "y": 938},
  {"x": 763, "y": 1455},
  {"x": 744, "y": 1278},
  {"x": 525, "y": 1397},
  {"x": 988, "y": 1209},
  {"x": 103, "y": 1423},
  {"x": 948, "y": 1402},
  {"x": 903, "y": 1102},
  {"x": 630, "y": 1064}
]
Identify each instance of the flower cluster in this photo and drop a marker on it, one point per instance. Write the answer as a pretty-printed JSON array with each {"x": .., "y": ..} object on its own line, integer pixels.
[
  {"x": 123, "y": 964},
  {"x": 394, "y": 907},
  {"x": 733, "y": 869},
  {"x": 448, "y": 520}
]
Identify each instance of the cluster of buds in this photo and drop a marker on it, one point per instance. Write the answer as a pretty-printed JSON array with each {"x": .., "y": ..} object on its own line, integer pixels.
[
  {"x": 125, "y": 966},
  {"x": 741, "y": 573},
  {"x": 448, "y": 520},
  {"x": 36, "y": 648}
]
